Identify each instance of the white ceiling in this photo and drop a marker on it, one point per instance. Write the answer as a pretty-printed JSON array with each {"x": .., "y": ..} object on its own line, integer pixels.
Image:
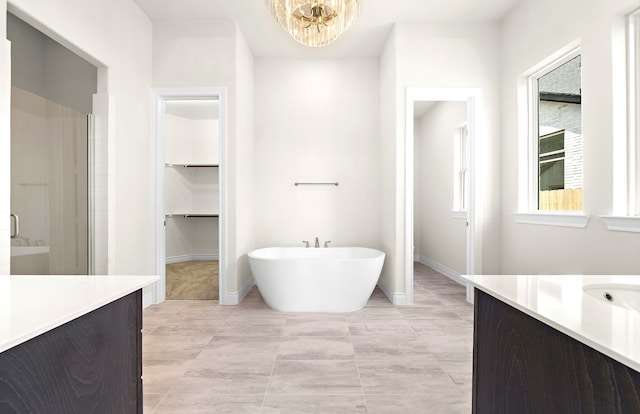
[{"x": 365, "y": 38}]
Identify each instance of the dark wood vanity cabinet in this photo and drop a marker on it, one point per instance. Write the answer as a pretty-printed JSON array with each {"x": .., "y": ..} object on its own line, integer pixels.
[
  {"x": 521, "y": 365},
  {"x": 92, "y": 364}
]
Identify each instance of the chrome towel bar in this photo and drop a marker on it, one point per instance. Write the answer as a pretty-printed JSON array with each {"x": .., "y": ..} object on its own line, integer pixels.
[
  {"x": 190, "y": 215},
  {"x": 296, "y": 184}
]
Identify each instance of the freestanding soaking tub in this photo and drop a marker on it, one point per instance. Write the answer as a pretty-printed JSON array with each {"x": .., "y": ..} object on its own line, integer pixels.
[{"x": 299, "y": 279}]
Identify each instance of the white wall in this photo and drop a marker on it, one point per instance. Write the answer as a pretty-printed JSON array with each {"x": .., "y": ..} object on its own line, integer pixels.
[
  {"x": 194, "y": 53},
  {"x": 191, "y": 190},
  {"x": 316, "y": 121},
  {"x": 530, "y": 34},
  {"x": 245, "y": 162},
  {"x": 191, "y": 141},
  {"x": 102, "y": 33},
  {"x": 439, "y": 237},
  {"x": 390, "y": 178},
  {"x": 191, "y": 239},
  {"x": 215, "y": 54},
  {"x": 386, "y": 174},
  {"x": 441, "y": 56}
]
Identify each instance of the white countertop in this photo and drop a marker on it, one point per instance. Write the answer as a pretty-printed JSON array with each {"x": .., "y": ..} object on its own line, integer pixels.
[
  {"x": 32, "y": 305},
  {"x": 559, "y": 301}
]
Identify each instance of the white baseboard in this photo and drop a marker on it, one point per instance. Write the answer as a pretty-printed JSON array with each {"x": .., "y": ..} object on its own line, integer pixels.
[
  {"x": 234, "y": 298},
  {"x": 382, "y": 284},
  {"x": 191, "y": 257},
  {"x": 394, "y": 297},
  {"x": 147, "y": 300},
  {"x": 448, "y": 272},
  {"x": 245, "y": 289}
]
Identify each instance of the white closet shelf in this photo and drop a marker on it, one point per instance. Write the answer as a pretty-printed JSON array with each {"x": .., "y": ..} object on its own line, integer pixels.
[
  {"x": 193, "y": 165},
  {"x": 191, "y": 215}
]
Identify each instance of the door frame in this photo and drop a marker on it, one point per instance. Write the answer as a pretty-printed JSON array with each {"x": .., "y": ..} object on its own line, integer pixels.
[
  {"x": 160, "y": 96},
  {"x": 473, "y": 99}
]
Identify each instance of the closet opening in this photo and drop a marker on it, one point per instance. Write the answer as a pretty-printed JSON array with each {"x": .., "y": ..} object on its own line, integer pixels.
[{"x": 188, "y": 147}]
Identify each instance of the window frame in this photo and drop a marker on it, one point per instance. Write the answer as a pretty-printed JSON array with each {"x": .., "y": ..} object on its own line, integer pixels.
[
  {"x": 528, "y": 153},
  {"x": 550, "y": 156},
  {"x": 626, "y": 122},
  {"x": 633, "y": 103}
]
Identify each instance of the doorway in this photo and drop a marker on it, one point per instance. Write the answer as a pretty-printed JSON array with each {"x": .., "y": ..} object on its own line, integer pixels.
[
  {"x": 190, "y": 225},
  {"x": 469, "y": 98}
]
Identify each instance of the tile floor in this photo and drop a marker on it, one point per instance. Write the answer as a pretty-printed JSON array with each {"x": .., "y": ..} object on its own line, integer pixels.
[{"x": 199, "y": 357}]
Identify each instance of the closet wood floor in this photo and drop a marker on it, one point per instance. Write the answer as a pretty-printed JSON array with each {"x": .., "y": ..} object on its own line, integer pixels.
[
  {"x": 200, "y": 357},
  {"x": 195, "y": 279}
]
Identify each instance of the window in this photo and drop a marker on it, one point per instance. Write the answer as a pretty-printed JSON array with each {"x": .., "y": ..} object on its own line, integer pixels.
[
  {"x": 550, "y": 161},
  {"x": 550, "y": 149},
  {"x": 460, "y": 165},
  {"x": 559, "y": 136}
]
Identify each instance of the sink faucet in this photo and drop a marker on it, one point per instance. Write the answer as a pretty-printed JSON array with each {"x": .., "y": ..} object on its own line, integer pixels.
[
  {"x": 326, "y": 244},
  {"x": 306, "y": 243},
  {"x": 317, "y": 243}
]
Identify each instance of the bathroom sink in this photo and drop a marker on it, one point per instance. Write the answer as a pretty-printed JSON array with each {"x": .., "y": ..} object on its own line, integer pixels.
[{"x": 626, "y": 296}]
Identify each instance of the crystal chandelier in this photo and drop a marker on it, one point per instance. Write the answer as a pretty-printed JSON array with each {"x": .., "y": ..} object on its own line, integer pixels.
[{"x": 315, "y": 23}]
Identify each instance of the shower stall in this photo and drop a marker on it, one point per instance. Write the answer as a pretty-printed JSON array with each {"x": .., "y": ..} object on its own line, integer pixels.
[{"x": 50, "y": 187}]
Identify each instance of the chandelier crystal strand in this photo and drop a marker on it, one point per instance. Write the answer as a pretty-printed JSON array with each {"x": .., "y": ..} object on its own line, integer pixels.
[{"x": 315, "y": 23}]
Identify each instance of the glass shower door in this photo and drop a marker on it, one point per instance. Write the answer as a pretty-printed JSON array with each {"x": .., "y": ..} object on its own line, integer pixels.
[{"x": 49, "y": 187}]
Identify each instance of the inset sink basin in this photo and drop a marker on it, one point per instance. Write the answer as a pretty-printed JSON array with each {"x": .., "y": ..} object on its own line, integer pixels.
[{"x": 626, "y": 296}]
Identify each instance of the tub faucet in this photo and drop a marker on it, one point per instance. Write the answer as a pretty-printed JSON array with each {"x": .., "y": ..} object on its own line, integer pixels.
[
  {"x": 306, "y": 243},
  {"x": 326, "y": 243},
  {"x": 317, "y": 244}
]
